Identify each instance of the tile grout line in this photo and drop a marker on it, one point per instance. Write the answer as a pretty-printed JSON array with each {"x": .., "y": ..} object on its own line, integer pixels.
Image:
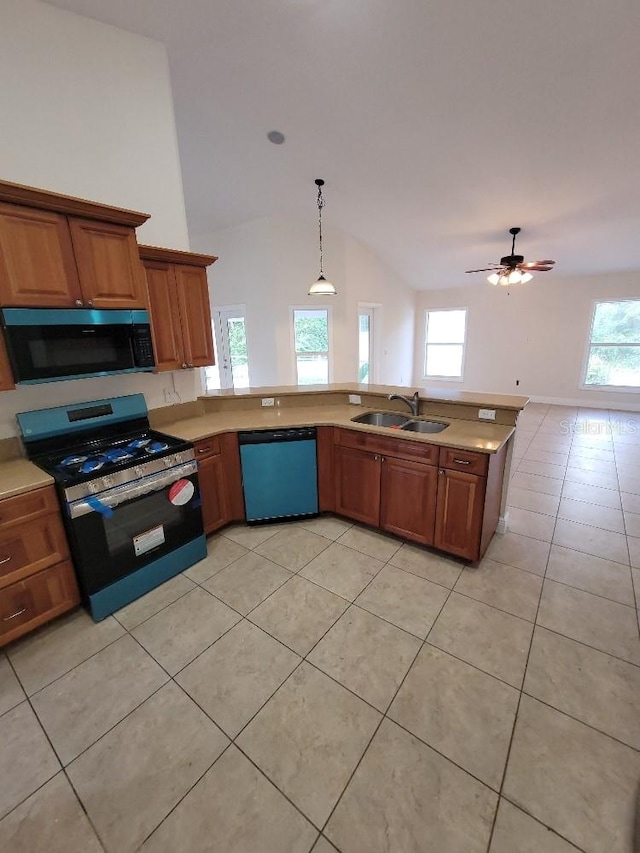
[
  {"x": 520, "y": 695},
  {"x": 385, "y": 714}
]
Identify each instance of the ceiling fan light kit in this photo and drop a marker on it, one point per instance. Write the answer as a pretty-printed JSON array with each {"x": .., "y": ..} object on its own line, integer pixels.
[
  {"x": 512, "y": 268},
  {"x": 321, "y": 287}
]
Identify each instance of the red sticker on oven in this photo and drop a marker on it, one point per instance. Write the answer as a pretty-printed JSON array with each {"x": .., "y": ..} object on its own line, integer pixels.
[{"x": 181, "y": 492}]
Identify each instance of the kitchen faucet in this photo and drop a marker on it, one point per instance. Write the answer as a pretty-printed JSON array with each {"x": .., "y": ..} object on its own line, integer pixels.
[{"x": 413, "y": 402}]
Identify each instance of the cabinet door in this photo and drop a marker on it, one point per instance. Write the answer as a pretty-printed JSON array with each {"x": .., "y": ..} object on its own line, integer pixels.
[
  {"x": 37, "y": 266},
  {"x": 408, "y": 499},
  {"x": 165, "y": 316},
  {"x": 29, "y": 547},
  {"x": 357, "y": 484},
  {"x": 232, "y": 477},
  {"x": 195, "y": 315},
  {"x": 459, "y": 509},
  {"x": 37, "y": 599},
  {"x": 6, "y": 376},
  {"x": 326, "y": 488},
  {"x": 109, "y": 266},
  {"x": 212, "y": 492}
]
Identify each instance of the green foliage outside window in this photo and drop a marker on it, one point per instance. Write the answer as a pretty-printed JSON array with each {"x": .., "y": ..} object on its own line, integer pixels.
[
  {"x": 614, "y": 354},
  {"x": 311, "y": 334}
]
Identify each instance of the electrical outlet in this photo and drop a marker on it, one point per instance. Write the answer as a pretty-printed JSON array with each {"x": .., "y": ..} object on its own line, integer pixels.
[
  {"x": 356, "y": 399},
  {"x": 268, "y": 401},
  {"x": 487, "y": 414}
]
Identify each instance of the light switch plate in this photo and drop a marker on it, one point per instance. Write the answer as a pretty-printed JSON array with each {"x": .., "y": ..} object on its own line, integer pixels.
[
  {"x": 487, "y": 414},
  {"x": 356, "y": 399},
  {"x": 268, "y": 401}
]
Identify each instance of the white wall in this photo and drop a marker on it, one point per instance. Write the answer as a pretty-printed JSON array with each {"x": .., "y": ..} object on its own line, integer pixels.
[
  {"x": 87, "y": 111},
  {"x": 269, "y": 265},
  {"x": 536, "y": 333}
]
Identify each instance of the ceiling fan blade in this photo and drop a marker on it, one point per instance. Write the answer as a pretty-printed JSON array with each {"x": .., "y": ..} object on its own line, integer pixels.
[
  {"x": 493, "y": 268},
  {"x": 533, "y": 267},
  {"x": 531, "y": 264}
]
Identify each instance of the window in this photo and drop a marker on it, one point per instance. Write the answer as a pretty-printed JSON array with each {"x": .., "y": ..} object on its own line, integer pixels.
[
  {"x": 445, "y": 333},
  {"x": 311, "y": 345},
  {"x": 613, "y": 357}
]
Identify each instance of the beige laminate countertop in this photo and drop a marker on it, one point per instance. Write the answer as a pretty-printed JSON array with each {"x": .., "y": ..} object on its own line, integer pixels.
[
  {"x": 461, "y": 434},
  {"x": 19, "y": 475}
]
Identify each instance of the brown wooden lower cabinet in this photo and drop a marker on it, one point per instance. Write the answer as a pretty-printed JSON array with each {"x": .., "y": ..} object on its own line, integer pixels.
[
  {"x": 395, "y": 494},
  {"x": 37, "y": 599},
  {"x": 459, "y": 513},
  {"x": 402, "y": 491},
  {"x": 220, "y": 481},
  {"x": 408, "y": 499},
  {"x": 357, "y": 484}
]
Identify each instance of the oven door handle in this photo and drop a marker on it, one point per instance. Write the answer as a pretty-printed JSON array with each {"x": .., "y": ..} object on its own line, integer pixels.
[{"x": 112, "y": 498}]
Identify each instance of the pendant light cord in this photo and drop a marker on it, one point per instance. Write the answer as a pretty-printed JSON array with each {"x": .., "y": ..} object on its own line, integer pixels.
[{"x": 320, "y": 206}]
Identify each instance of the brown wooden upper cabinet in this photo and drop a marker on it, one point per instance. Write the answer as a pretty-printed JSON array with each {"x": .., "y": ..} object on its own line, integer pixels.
[
  {"x": 179, "y": 307},
  {"x": 63, "y": 252}
]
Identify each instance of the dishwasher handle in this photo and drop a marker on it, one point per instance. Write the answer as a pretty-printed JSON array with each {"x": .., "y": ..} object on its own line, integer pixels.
[{"x": 269, "y": 436}]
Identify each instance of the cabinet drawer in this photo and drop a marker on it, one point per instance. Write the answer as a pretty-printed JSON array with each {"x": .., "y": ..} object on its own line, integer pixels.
[
  {"x": 399, "y": 448},
  {"x": 37, "y": 599},
  {"x": 28, "y": 506},
  {"x": 464, "y": 460},
  {"x": 207, "y": 447},
  {"x": 31, "y": 546}
]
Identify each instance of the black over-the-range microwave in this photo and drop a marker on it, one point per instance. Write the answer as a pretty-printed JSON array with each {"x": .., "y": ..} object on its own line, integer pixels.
[{"x": 50, "y": 344}]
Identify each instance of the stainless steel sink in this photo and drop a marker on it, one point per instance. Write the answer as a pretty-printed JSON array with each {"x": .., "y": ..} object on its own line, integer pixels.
[
  {"x": 397, "y": 421},
  {"x": 381, "y": 419},
  {"x": 424, "y": 426}
]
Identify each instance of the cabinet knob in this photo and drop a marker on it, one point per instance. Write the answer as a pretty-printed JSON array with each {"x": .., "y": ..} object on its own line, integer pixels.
[
  {"x": 184, "y": 365},
  {"x": 78, "y": 301},
  {"x": 90, "y": 302},
  {"x": 441, "y": 471}
]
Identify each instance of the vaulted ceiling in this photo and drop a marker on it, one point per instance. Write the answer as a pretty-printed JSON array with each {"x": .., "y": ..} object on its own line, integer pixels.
[{"x": 436, "y": 124}]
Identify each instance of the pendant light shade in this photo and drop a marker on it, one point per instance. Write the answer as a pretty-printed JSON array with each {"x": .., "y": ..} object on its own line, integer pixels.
[{"x": 321, "y": 287}]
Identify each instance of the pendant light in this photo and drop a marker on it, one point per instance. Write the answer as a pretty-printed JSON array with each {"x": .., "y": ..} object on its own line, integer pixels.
[{"x": 322, "y": 287}]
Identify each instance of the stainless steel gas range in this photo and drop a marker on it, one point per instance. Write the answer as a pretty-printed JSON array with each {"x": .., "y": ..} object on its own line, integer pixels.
[{"x": 129, "y": 495}]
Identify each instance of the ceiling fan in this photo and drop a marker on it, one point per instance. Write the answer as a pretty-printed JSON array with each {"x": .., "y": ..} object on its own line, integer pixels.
[{"x": 512, "y": 268}]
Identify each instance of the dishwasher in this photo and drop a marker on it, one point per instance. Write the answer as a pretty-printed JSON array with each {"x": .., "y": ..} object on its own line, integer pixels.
[{"x": 279, "y": 473}]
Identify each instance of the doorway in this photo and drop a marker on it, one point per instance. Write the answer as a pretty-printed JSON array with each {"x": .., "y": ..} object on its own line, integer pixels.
[{"x": 232, "y": 359}]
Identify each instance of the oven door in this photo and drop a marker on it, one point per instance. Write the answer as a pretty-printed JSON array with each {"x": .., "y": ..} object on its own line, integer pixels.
[{"x": 120, "y": 530}]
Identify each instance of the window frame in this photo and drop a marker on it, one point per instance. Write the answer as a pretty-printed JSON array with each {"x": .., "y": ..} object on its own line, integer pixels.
[
  {"x": 294, "y": 353},
  {"x": 583, "y": 385},
  {"x": 425, "y": 327}
]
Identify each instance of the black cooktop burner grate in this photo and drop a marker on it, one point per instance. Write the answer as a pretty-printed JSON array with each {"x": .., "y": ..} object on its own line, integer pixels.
[{"x": 77, "y": 463}]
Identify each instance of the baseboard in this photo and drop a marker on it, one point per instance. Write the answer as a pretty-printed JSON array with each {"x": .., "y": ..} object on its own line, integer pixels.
[
  {"x": 503, "y": 523},
  {"x": 584, "y": 404}
]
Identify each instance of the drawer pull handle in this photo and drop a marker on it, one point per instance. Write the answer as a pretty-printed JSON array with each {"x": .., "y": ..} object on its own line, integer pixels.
[
  {"x": 5, "y": 560},
  {"x": 13, "y": 615},
  {"x": 461, "y": 462}
]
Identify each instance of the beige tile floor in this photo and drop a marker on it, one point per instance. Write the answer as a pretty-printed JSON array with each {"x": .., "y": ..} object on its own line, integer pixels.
[{"x": 319, "y": 686}]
